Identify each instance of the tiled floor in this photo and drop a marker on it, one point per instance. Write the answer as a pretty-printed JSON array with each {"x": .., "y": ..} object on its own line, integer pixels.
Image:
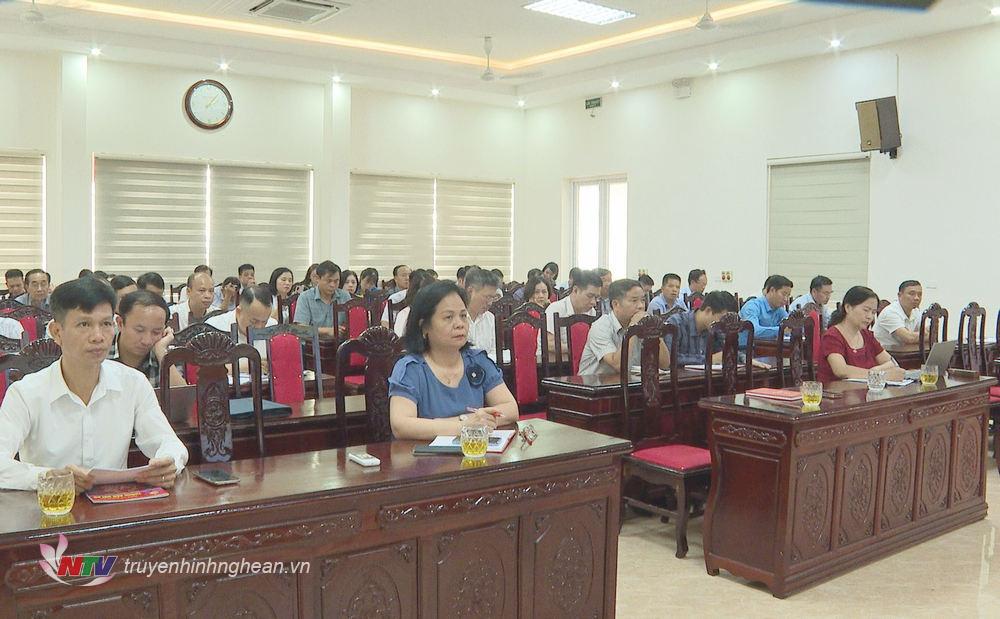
[{"x": 948, "y": 576}]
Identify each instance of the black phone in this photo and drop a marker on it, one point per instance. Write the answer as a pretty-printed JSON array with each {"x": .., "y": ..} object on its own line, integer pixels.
[{"x": 217, "y": 477}]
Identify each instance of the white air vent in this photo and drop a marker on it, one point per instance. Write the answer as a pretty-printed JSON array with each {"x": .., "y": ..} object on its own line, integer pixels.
[{"x": 298, "y": 11}]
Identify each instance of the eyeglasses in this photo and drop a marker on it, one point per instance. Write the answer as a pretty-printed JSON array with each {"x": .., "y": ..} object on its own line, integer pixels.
[{"x": 528, "y": 436}]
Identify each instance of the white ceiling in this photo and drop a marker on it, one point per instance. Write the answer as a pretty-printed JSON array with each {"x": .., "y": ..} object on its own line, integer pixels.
[{"x": 456, "y": 27}]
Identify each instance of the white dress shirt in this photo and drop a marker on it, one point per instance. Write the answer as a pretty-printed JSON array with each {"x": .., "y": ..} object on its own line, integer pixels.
[
  {"x": 183, "y": 311},
  {"x": 51, "y": 427},
  {"x": 605, "y": 337},
  {"x": 225, "y": 322},
  {"x": 395, "y": 297},
  {"x": 893, "y": 318},
  {"x": 483, "y": 333},
  {"x": 399, "y": 327}
]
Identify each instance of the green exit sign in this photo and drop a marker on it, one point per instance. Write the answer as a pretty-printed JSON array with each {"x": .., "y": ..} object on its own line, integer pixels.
[{"x": 590, "y": 104}]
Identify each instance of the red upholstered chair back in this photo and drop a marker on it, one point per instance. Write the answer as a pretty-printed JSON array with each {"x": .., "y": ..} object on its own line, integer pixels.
[
  {"x": 381, "y": 349},
  {"x": 292, "y": 301},
  {"x": 648, "y": 332},
  {"x": 285, "y": 361},
  {"x": 937, "y": 317},
  {"x": 36, "y": 356},
  {"x": 33, "y": 320},
  {"x": 356, "y": 311},
  {"x": 799, "y": 328},
  {"x": 729, "y": 327},
  {"x": 520, "y": 334},
  {"x": 9, "y": 345},
  {"x": 576, "y": 328},
  {"x": 971, "y": 337},
  {"x": 184, "y": 337}
]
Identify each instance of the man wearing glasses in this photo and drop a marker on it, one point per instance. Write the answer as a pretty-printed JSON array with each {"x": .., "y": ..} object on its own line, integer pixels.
[
  {"x": 481, "y": 286},
  {"x": 582, "y": 299}
]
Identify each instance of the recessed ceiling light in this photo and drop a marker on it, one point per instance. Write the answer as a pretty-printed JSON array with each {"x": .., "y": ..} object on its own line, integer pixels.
[
  {"x": 223, "y": 66},
  {"x": 95, "y": 51},
  {"x": 520, "y": 103},
  {"x": 336, "y": 79},
  {"x": 616, "y": 84},
  {"x": 713, "y": 66},
  {"x": 435, "y": 92},
  {"x": 580, "y": 10},
  {"x": 835, "y": 43},
  {"x": 995, "y": 11}
]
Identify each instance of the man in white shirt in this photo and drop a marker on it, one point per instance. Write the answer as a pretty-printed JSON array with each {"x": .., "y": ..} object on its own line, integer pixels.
[
  {"x": 899, "y": 323},
  {"x": 602, "y": 354},
  {"x": 253, "y": 310},
  {"x": 201, "y": 268},
  {"x": 81, "y": 412},
  {"x": 582, "y": 299},
  {"x": 199, "y": 301},
  {"x": 481, "y": 288},
  {"x": 37, "y": 283},
  {"x": 820, "y": 291}
]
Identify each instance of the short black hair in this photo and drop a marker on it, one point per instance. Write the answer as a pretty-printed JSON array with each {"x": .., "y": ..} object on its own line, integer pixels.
[
  {"x": 369, "y": 273},
  {"x": 534, "y": 273},
  {"x": 395, "y": 269},
  {"x": 462, "y": 270},
  {"x": 819, "y": 281},
  {"x": 587, "y": 279},
  {"x": 670, "y": 276},
  {"x": 84, "y": 293},
  {"x": 101, "y": 275},
  {"x": 85, "y": 273},
  {"x": 28, "y": 275},
  {"x": 327, "y": 267},
  {"x": 497, "y": 272},
  {"x": 574, "y": 273},
  {"x": 245, "y": 267},
  {"x": 14, "y": 274},
  {"x": 433, "y": 272},
  {"x": 645, "y": 280},
  {"x": 777, "y": 282},
  {"x": 142, "y": 298},
  {"x": 422, "y": 310},
  {"x": 719, "y": 301},
  {"x": 121, "y": 281},
  {"x": 694, "y": 275},
  {"x": 150, "y": 279},
  {"x": 621, "y": 287},
  {"x": 232, "y": 280},
  {"x": 203, "y": 268},
  {"x": 478, "y": 278},
  {"x": 551, "y": 266},
  {"x": 258, "y": 292},
  {"x": 601, "y": 272},
  {"x": 907, "y": 284}
]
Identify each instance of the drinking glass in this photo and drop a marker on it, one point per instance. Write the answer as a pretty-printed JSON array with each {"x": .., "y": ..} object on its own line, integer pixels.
[
  {"x": 56, "y": 492},
  {"x": 928, "y": 375},
  {"x": 812, "y": 392},
  {"x": 474, "y": 439},
  {"x": 876, "y": 380}
]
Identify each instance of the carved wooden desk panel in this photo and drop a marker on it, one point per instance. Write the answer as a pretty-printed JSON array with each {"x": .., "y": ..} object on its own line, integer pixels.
[
  {"x": 533, "y": 533},
  {"x": 798, "y": 497}
]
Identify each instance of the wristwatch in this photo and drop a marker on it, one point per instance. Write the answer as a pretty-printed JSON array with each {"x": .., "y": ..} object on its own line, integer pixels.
[{"x": 463, "y": 417}]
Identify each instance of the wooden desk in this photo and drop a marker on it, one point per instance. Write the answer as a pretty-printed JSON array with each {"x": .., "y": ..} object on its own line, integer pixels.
[
  {"x": 532, "y": 533},
  {"x": 908, "y": 355},
  {"x": 798, "y": 497}
]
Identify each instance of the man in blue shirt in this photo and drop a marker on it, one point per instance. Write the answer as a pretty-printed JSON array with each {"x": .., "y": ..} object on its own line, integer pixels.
[
  {"x": 820, "y": 291},
  {"x": 669, "y": 296},
  {"x": 767, "y": 311},
  {"x": 315, "y": 306},
  {"x": 692, "y": 328},
  {"x": 697, "y": 282}
]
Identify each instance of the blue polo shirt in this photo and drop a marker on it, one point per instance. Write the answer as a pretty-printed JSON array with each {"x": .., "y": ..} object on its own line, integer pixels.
[
  {"x": 661, "y": 305},
  {"x": 414, "y": 380},
  {"x": 690, "y": 344},
  {"x": 764, "y": 318},
  {"x": 310, "y": 309}
]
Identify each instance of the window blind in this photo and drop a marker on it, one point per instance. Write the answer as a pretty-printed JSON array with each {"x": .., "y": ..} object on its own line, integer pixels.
[
  {"x": 818, "y": 222},
  {"x": 261, "y": 216},
  {"x": 473, "y": 226},
  {"x": 392, "y": 222},
  {"x": 150, "y": 216},
  {"x": 21, "y": 211}
]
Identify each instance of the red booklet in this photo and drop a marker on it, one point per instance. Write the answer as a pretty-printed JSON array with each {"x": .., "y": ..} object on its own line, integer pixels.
[
  {"x": 124, "y": 493},
  {"x": 787, "y": 395}
]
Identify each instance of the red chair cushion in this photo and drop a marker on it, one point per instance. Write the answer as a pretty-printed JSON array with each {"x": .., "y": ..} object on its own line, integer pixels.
[
  {"x": 191, "y": 373},
  {"x": 355, "y": 380},
  {"x": 30, "y": 324},
  {"x": 3, "y": 385},
  {"x": 357, "y": 322},
  {"x": 676, "y": 457},
  {"x": 578, "y": 341},
  {"x": 285, "y": 363},
  {"x": 524, "y": 345},
  {"x": 995, "y": 392}
]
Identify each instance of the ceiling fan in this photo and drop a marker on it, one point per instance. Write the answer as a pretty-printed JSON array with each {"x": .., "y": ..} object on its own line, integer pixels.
[
  {"x": 707, "y": 22},
  {"x": 35, "y": 18},
  {"x": 490, "y": 75},
  {"x": 751, "y": 24}
]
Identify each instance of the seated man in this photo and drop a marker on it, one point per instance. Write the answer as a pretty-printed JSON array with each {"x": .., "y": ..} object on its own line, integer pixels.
[
  {"x": 582, "y": 299},
  {"x": 82, "y": 411},
  {"x": 315, "y": 306},
  {"x": 820, "y": 290},
  {"x": 647, "y": 284},
  {"x": 201, "y": 268},
  {"x": 253, "y": 310},
  {"x": 122, "y": 285},
  {"x": 602, "y": 354},
  {"x": 697, "y": 282},
  {"x": 198, "y": 303},
  {"x": 768, "y": 310},
  {"x": 605, "y": 302},
  {"x": 14, "y": 279},
  {"x": 400, "y": 282},
  {"x": 152, "y": 282},
  {"x": 899, "y": 323},
  {"x": 37, "y": 283},
  {"x": 669, "y": 297},
  {"x": 481, "y": 286},
  {"x": 692, "y": 328},
  {"x": 143, "y": 336},
  {"x": 246, "y": 279}
]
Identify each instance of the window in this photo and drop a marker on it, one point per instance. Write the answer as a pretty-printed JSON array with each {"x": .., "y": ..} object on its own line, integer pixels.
[
  {"x": 600, "y": 224},
  {"x": 424, "y": 222},
  {"x": 818, "y": 222},
  {"x": 169, "y": 217},
  {"x": 22, "y": 210}
]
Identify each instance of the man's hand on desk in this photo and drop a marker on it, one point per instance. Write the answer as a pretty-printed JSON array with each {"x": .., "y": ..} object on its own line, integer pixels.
[
  {"x": 81, "y": 477},
  {"x": 161, "y": 472}
]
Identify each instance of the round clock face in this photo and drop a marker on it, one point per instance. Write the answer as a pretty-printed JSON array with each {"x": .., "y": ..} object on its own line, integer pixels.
[{"x": 208, "y": 104}]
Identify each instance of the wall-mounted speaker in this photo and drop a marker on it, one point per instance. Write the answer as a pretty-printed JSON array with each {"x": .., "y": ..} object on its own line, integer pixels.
[{"x": 878, "y": 122}]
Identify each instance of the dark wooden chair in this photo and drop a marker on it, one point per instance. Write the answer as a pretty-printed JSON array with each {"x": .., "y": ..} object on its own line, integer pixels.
[
  {"x": 210, "y": 352},
  {"x": 11, "y": 345},
  {"x": 729, "y": 328},
  {"x": 174, "y": 322},
  {"x": 882, "y": 304},
  {"x": 358, "y": 315},
  {"x": 175, "y": 293},
  {"x": 33, "y": 319},
  {"x": 504, "y": 307},
  {"x": 286, "y": 363},
  {"x": 8, "y": 305},
  {"x": 800, "y": 328},
  {"x": 936, "y": 318},
  {"x": 33, "y": 357},
  {"x": 381, "y": 349},
  {"x": 286, "y": 306},
  {"x": 659, "y": 461},
  {"x": 184, "y": 337},
  {"x": 677, "y": 309},
  {"x": 217, "y": 312},
  {"x": 972, "y": 337},
  {"x": 394, "y": 308},
  {"x": 577, "y": 328},
  {"x": 523, "y": 333},
  {"x": 376, "y": 300},
  {"x": 562, "y": 294}
]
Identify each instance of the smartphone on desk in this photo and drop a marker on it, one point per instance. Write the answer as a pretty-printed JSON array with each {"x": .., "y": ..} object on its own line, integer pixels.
[{"x": 217, "y": 477}]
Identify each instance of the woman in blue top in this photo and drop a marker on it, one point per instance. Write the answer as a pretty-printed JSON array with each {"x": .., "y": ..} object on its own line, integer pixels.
[{"x": 433, "y": 387}]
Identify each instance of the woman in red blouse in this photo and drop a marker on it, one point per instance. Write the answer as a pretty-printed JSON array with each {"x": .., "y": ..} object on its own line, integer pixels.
[{"x": 848, "y": 348}]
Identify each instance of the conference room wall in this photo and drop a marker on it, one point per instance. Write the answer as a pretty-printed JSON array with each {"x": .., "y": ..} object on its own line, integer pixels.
[{"x": 697, "y": 167}]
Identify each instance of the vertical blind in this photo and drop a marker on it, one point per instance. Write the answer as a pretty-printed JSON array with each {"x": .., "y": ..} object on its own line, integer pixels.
[
  {"x": 425, "y": 222},
  {"x": 261, "y": 216},
  {"x": 150, "y": 216},
  {"x": 21, "y": 211},
  {"x": 392, "y": 222},
  {"x": 818, "y": 222}
]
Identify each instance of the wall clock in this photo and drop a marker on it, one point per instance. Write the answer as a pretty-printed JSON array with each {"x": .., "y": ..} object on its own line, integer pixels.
[{"x": 208, "y": 104}]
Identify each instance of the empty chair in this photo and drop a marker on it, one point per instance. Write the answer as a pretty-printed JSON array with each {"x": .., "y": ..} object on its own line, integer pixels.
[
  {"x": 380, "y": 348},
  {"x": 933, "y": 328}
]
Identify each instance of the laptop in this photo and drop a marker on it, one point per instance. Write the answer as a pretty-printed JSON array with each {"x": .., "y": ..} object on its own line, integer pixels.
[{"x": 941, "y": 356}]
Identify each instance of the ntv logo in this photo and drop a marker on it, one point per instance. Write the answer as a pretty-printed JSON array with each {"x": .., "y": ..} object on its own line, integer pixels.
[{"x": 56, "y": 566}]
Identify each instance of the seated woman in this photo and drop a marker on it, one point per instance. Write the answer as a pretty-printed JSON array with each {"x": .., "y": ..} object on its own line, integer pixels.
[
  {"x": 418, "y": 279},
  {"x": 538, "y": 291},
  {"x": 308, "y": 282},
  {"x": 349, "y": 283},
  {"x": 848, "y": 349},
  {"x": 281, "y": 283},
  {"x": 433, "y": 388}
]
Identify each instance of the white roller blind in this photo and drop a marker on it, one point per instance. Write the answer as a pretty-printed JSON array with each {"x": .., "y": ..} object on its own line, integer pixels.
[
  {"x": 150, "y": 216},
  {"x": 818, "y": 222},
  {"x": 392, "y": 222},
  {"x": 261, "y": 216},
  {"x": 473, "y": 225},
  {"x": 21, "y": 211}
]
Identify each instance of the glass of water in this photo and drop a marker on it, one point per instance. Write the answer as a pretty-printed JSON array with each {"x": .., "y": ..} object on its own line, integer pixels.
[
  {"x": 928, "y": 375},
  {"x": 876, "y": 380},
  {"x": 812, "y": 392}
]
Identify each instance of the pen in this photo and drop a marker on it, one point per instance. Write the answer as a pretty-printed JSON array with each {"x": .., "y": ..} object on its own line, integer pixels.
[{"x": 472, "y": 409}]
